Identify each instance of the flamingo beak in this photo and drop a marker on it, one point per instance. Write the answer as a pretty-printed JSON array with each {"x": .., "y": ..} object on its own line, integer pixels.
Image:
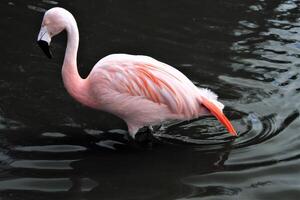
[{"x": 44, "y": 40}]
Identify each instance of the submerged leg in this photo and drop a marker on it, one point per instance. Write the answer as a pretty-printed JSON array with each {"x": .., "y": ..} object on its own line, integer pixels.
[
  {"x": 141, "y": 138},
  {"x": 151, "y": 129},
  {"x": 140, "y": 134},
  {"x": 145, "y": 136},
  {"x": 132, "y": 130}
]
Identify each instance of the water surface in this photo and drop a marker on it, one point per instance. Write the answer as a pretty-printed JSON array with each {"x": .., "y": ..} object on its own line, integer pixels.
[{"x": 248, "y": 52}]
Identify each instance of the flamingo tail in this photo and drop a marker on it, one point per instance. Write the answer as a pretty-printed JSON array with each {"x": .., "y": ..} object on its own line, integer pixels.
[{"x": 217, "y": 112}]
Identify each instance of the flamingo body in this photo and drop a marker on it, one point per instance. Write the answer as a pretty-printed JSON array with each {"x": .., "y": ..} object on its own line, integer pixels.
[
  {"x": 139, "y": 89},
  {"x": 144, "y": 91}
]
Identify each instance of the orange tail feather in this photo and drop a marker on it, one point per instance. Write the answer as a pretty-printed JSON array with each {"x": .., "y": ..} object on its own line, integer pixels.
[{"x": 219, "y": 115}]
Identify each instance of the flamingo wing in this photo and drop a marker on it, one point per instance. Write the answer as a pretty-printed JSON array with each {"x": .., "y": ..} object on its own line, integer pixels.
[{"x": 158, "y": 82}]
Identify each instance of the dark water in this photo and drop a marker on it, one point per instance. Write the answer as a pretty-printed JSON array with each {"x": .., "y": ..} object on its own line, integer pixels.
[{"x": 246, "y": 51}]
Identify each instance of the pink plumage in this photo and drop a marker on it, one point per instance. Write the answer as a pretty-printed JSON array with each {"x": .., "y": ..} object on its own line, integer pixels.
[{"x": 139, "y": 89}]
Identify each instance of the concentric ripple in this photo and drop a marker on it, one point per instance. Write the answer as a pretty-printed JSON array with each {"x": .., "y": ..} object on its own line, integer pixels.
[{"x": 252, "y": 129}]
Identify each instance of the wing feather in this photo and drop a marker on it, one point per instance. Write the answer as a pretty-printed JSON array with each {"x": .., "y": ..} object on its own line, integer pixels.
[{"x": 148, "y": 78}]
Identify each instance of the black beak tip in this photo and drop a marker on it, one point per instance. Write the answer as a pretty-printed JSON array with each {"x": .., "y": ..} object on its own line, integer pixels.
[{"x": 45, "y": 47}]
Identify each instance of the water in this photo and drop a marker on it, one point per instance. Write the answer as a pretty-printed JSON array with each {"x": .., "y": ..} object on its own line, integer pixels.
[{"x": 246, "y": 51}]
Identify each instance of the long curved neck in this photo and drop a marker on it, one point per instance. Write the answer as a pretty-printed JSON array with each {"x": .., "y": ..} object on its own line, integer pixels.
[
  {"x": 70, "y": 60},
  {"x": 75, "y": 85}
]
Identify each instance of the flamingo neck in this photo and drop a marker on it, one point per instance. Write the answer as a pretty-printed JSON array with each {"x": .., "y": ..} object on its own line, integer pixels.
[{"x": 75, "y": 85}]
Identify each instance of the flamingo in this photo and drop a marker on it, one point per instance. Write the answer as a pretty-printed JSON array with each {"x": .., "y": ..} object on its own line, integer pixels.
[{"x": 138, "y": 89}]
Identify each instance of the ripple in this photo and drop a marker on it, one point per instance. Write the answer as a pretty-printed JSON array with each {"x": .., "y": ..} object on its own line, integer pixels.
[
  {"x": 53, "y": 134},
  {"x": 9, "y": 124},
  {"x": 286, "y": 6},
  {"x": 208, "y": 134},
  {"x": 204, "y": 133},
  {"x": 109, "y": 144},
  {"x": 264, "y": 128},
  {"x": 43, "y": 164},
  {"x": 50, "y": 2},
  {"x": 36, "y": 8},
  {"x": 51, "y": 148},
  {"x": 244, "y": 182},
  {"x": 48, "y": 184}
]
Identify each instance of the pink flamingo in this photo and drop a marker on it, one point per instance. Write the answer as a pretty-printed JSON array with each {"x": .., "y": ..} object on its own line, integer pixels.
[{"x": 139, "y": 89}]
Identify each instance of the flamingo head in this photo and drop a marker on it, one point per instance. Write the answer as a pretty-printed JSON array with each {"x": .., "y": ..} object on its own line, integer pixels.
[{"x": 55, "y": 21}]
